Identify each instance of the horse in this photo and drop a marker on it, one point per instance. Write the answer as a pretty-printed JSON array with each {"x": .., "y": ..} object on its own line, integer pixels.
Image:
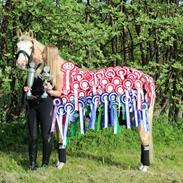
[{"x": 111, "y": 94}]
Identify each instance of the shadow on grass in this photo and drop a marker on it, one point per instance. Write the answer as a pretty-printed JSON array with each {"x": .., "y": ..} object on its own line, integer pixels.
[{"x": 103, "y": 160}]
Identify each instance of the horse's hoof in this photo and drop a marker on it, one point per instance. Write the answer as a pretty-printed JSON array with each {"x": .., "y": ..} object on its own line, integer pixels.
[
  {"x": 60, "y": 165},
  {"x": 143, "y": 168}
]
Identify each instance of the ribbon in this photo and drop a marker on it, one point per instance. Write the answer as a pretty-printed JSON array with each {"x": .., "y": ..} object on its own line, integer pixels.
[
  {"x": 95, "y": 102},
  {"x": 60, "y": 119},
  {"x": 99, "y": 118},
  {"x": 76, "y": 86},
  {"x": 67, "y": 67},
  {"x": 144, "y": 116},
  {"x": 104, "y": 99},
  {"x": 140, "y": 94},
  {"x": 126, "y": 99},
  {"x": 56, "y": 103},
  {"x": 116, "y": 121},
  {"x": 134, "y": 108},
  {"x": 81, "y": 117}
]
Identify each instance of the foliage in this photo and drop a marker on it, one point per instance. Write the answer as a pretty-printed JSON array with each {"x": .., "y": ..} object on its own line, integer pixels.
[{"x": 146, "y": 35}]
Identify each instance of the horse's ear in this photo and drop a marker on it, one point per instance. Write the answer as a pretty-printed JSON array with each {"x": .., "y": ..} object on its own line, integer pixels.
[
  {"x": 31, "y": 35},
  {"x": 19, "y": 33}
]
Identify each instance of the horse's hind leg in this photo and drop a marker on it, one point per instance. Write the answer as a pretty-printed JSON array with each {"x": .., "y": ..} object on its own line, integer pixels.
[{"x": 145, "y": 141}]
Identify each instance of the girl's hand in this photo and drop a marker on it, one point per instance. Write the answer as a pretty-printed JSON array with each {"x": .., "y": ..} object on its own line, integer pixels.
[
  {"x": 26, "y": 89},
  {"x": 48, "y": 86}
]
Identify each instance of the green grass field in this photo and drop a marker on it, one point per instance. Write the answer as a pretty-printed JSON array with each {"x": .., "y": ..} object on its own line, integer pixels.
[{"x": 96, "y": 157}]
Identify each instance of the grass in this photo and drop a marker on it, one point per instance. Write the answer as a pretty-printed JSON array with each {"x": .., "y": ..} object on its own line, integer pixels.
[{"x": 97, "y": 157}]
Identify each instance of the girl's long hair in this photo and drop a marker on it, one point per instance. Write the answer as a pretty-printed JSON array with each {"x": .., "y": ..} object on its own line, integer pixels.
[{"x": 54, "y": 61}]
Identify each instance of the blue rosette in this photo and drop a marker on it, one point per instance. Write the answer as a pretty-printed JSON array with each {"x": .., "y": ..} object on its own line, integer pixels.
[
  {"x": 95, "y": 98},
  {"x": 112, "y": 96},
  {"x": 127, "y": 104},
  {"x": 123, "y": 99},
  {"x": 102, "y": 97},
  {"x": 69, "y": 108},
  {"x": 89, "y": 100},
  {"x": 60, "y": 109},
  {"x": 57, "y": 102}
]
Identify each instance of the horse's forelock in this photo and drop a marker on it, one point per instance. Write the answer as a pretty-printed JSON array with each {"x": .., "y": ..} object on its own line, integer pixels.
[
  {"x": 25, "y": 38},
  {"x": 37, "y": 44}
]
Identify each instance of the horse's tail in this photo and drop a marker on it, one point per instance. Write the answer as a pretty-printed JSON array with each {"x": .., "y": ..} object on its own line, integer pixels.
[{"x": 151, "y": 110}]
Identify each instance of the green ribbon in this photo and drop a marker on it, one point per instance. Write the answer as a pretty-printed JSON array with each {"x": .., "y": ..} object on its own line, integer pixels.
[{"x": 99, "y": 118}]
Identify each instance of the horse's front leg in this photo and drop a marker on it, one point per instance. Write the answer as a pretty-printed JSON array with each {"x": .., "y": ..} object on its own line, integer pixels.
[{"x": 145, "y": 147}]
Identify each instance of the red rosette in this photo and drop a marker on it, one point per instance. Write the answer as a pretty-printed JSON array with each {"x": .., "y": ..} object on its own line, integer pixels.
[
  {"x": 67, "y": 66},
  {"x": 116, "y": 81},
  {"x": 82, "y": 93},
  {"x": 127, "y": 70},
  {"x": 64, "y": 99},
  {"x": 137, "y": 73},
  {"x": 121, "y": 72},
  {"x": 138, "y": 84},
  {"x": 70, "y": 97},
  {"x": 153, "y": 87},
  {"x": 89, "y": 93},
  {"x": 88, "y": 75},
  {"x": 75, "y": 85},
  {"x": 117, "y": 68},
  {"x": 103, "y": 81},
  {"x": 78, "y": 77},
  {"x": 65, "y": 92},
  {"x": 128, "y": 83},
  {"x": 119, "y": 89},
  {"x": 151, "y": 80},
  {"x": 100, "y": 73},
  {"x": 109, "y": 87},
  {"x": 92, "y": 82},
  {"x": 100, "y": 91},
  {"x": 109, "y": 73},
  {"x": 131, "y": 76},
  {"x": 84, "y": 84},
  {"x": 82, "y": 72}
]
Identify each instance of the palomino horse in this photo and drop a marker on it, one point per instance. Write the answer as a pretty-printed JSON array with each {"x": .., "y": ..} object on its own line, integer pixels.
[{"x": 111, "y": 94}]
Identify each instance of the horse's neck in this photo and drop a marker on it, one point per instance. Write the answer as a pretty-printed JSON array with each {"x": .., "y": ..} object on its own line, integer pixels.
[
  {"x": 37, "y": 57},
  {"x": 38, "y": 60}
]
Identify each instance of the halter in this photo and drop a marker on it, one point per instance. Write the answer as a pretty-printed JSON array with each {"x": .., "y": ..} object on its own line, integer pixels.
[{"x": 30, "y": 58}]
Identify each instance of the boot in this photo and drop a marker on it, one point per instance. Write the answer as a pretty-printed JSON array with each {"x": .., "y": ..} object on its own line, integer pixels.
[
  {"x": 33, "y": 154},
  {"x": 61, "y": 156},
  {"x": 145, "y": 162}
]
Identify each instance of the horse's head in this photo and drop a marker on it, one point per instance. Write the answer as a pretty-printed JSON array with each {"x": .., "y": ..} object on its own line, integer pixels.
[
  {"x": 25, "y": 49},
  {"x": 28, "y": 49}
]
